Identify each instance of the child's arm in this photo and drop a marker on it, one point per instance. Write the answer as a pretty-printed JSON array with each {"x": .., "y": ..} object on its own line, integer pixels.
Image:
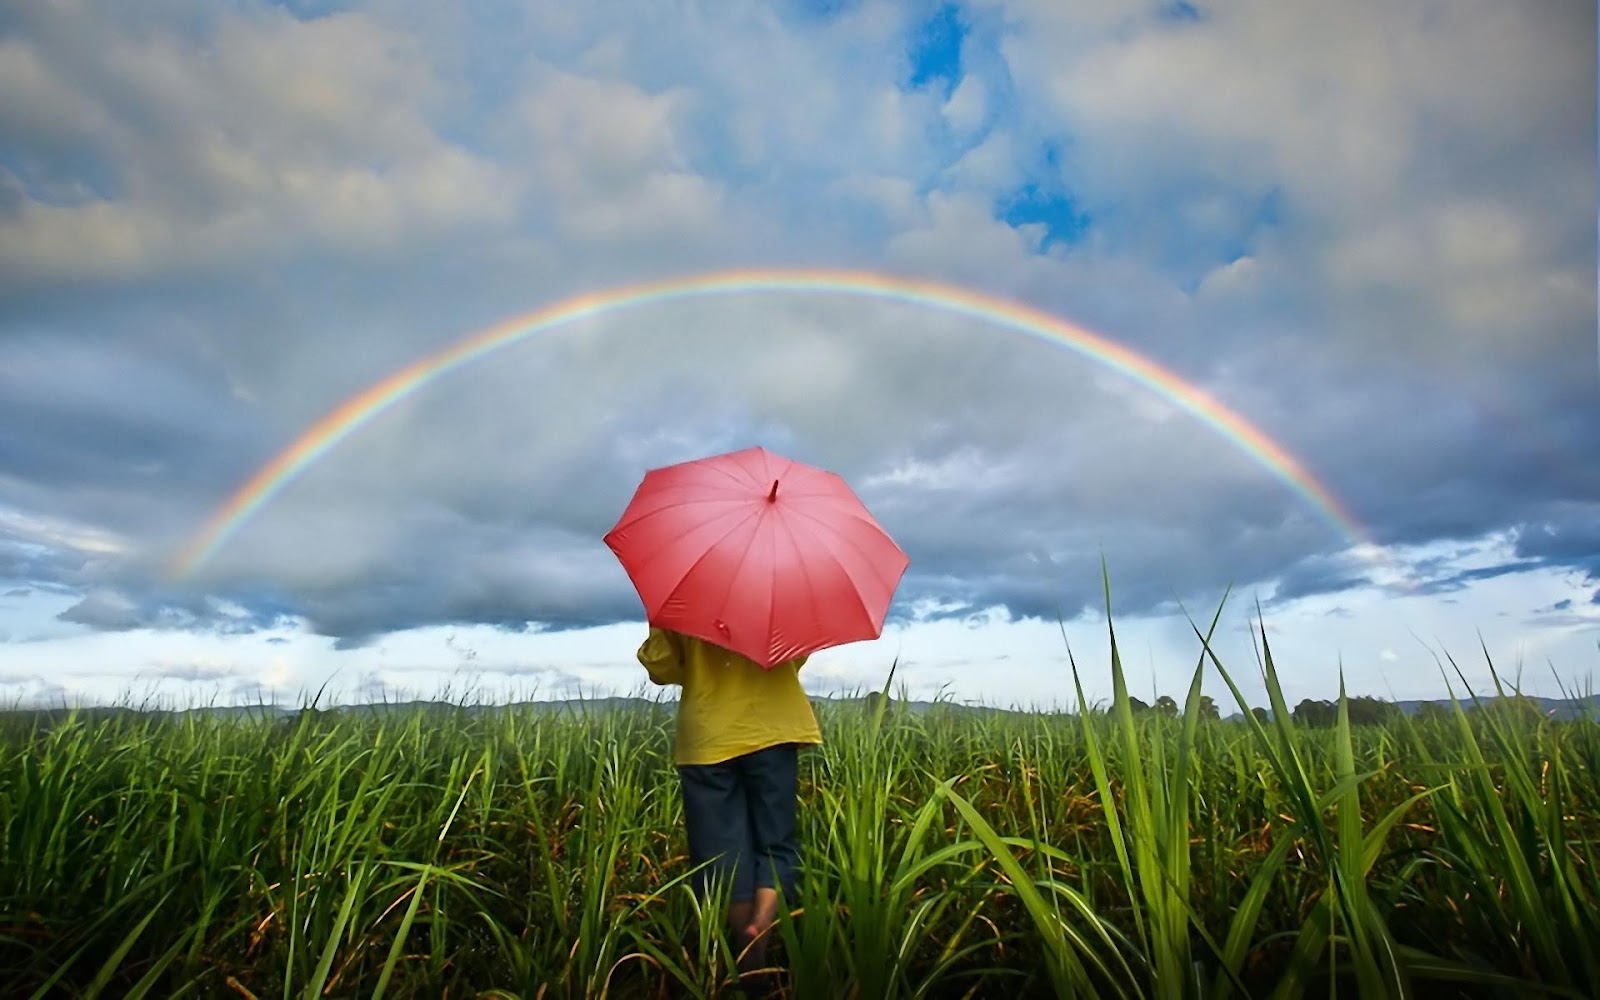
[{"x": 662, "y": 656}]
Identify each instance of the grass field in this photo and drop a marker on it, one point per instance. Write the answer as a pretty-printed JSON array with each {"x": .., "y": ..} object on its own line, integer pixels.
[{"x": 510, "y": 853}]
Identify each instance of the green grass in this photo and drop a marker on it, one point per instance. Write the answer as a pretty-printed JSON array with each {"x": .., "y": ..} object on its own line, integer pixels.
[{"x": 513, "y": 853}]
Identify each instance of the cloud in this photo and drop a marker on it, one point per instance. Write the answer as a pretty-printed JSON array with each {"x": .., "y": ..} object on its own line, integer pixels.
[
  {"x": 1321, "y": 575},
  {"x": 125, "y": 608},
  {"x": 1416, "y": 213},
  {"x": 196, "y": 144},
  {"x": 1364, "y": 233},
  {"x": 25, "y": 529},
  {"x": 1567, "y": 534},
  {"x": 39, "y": 693},
  {"x": 1460, "y": 579},
  {"x": 611, "y": 158},
  {"x": 192, "y": 672}
]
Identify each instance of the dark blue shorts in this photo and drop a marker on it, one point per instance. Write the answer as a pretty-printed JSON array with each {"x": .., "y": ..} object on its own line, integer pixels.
[{"x": 741, "y": 816}]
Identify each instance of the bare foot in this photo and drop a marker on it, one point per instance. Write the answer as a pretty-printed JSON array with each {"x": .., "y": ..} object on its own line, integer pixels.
[
  {"x": 764, "y": 912},
  {"x": 753, "y": 948}
]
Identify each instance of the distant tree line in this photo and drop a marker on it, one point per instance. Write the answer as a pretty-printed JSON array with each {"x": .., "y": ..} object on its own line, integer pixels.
[
  {"x": 1364, "y": 711},
  {"x": 1166, "y": 706}
]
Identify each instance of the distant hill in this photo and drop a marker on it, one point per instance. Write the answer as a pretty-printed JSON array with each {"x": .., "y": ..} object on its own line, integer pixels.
[{"x": 1557, "y": 708}]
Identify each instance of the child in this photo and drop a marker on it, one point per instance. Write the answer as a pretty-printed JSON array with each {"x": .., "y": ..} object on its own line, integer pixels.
[{"x": 738, "y": 737}]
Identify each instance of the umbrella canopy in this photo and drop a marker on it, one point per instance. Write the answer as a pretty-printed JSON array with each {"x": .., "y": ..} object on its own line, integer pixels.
[{"x": 759, "y": 554}]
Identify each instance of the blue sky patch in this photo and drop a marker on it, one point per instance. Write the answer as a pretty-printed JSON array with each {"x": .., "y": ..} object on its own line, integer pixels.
[
  {"x": 310, "y": 10},
  {"x": 1182, "y": 12},
  {"x": 823, "y": 9},
  {"x": 1063, "y": 219},
  {"x": 936, "y": 50}
]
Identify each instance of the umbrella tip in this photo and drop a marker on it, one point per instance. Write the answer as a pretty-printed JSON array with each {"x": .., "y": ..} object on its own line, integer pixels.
[{"x": 773, "y": 496}]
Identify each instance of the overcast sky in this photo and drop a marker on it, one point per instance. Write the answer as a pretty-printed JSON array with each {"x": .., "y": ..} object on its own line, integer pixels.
[{"x": 1367, "y": 228}]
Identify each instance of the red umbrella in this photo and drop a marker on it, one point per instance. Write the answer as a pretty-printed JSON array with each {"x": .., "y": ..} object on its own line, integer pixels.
[{"x": 759, "y": 554}]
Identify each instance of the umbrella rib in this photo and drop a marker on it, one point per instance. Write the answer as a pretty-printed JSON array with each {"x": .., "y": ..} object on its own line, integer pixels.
[
  {"x": 645, "y": 562},
  {"x": 855, "y": 512},
  {"x": 790, "y": 524},
  {"x": 848, "y": 540},
  {"x": 838, "y": 521},
  {"x": 710, "y": 547},
  {"x": 677, "y": 504},
  {"x": 811, "y": 592},
  {"x": 720, "y": 470},
  {"x": 733, "y": 578},
  {"x": 772, "y": 599}
]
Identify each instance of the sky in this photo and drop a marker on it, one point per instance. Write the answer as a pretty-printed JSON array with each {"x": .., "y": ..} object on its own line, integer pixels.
[{"x": 1366, "y": 230}]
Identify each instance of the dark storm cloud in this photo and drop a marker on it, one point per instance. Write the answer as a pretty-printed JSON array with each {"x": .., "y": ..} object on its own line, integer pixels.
[
  {"x": 1319, "y": 575},
  {"x": 1418, "y": 457},
  {"x": 1459, "y": 580},
  {"x": 114, "y": 429},
  {"x": 22, "y": 559},
  {"x": 120, "y": 609},
  {"x": 554, "y": 590},
  {"x": 1564, "y": 534}
]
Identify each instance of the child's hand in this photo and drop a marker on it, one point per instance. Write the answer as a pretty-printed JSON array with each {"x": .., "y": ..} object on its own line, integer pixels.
[{"x": 662, "y": 655}]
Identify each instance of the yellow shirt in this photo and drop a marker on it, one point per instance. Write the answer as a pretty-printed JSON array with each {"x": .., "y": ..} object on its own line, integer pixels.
[{"x": 730, "y": 706}]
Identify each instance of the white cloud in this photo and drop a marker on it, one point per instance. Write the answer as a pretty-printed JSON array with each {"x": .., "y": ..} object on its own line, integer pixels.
[
  {"x": 961, "y": 234},
  {"x": 272, "y": 134},
  {"x": 610, "y": 160},
  {"x": 597, "y": 136},
  {"x": 957, "y": 470},
  {"x": 1428, "y": 154},
  {"x": 54, "y": 532},
  {"x": 1235, "y": 280},
  {"x": 1390, "y": 653},
  {"x": 1331, "y": 101},
  {"x": 894, "y": 200},
  {"x": 967, "y": 107},
  {"x": 990, "y": 166}
]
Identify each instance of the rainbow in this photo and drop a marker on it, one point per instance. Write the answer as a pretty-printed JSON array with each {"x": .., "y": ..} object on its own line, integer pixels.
[{"x": 361, "y": 409}]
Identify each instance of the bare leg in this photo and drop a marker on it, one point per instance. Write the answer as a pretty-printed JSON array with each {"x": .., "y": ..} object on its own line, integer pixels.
[
  {"x": 771, "y": 788},
  {"x": 762, "y": 915},
  {"x": 741, "y": 913}
]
